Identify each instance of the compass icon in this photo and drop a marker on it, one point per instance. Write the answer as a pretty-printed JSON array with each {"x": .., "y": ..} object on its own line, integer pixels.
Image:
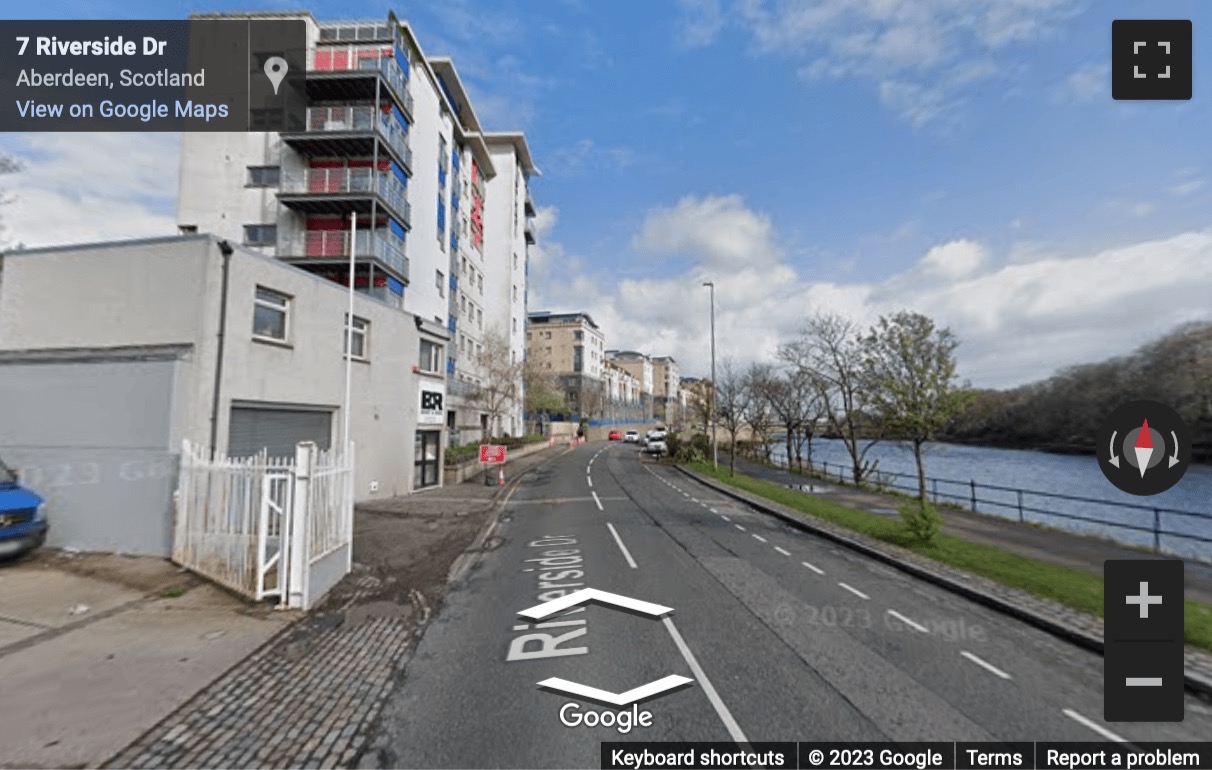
[{"x": 1144, "y": 448}]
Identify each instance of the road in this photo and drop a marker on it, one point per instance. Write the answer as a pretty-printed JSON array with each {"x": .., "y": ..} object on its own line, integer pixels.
[{"x": 787, "y": 637}]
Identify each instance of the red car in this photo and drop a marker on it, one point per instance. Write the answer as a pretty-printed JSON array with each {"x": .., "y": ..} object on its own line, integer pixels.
[{"x": 615, "y": 435}]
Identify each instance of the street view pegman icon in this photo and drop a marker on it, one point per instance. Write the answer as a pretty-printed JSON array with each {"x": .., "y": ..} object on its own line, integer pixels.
[{"x": 1144, "y": 448}]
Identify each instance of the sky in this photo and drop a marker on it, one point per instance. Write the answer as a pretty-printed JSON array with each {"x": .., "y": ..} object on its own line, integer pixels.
[{"x": 959, "y": 158}]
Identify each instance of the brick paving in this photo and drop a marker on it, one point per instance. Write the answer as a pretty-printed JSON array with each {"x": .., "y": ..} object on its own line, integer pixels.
[{"x": 1067, "y": 620}]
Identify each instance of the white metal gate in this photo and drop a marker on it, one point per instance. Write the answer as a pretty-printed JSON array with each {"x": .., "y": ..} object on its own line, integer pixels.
[{"x": 267, "y": 527}]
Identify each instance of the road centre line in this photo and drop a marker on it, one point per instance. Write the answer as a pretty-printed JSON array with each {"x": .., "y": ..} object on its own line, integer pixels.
[
  {"x": 725, "y": 716},
  {"x": 623, "y": 548},
  {"x": 985, "y": 665},
  {"x": 1076, "y": 717},
  {"x": 908, "y": 622},
  {"x": 589, "y": 479},
  {"x": 599, "y": 502},
  {"x": 738, "y": 526},
  {"x": 782, "y": 551},
  {"x": 817, "y": 570},
  {"x": 854, "y": 591},
  {"x": 725, "y": 518},
  {"x": 756, "y": 536}
]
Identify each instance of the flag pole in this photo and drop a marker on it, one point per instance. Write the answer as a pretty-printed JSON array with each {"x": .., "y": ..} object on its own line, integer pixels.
[{"x": 353, "y": 241}]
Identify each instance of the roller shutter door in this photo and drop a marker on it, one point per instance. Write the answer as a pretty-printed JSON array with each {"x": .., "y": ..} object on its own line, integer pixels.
[{"x": 277, "y": 430}]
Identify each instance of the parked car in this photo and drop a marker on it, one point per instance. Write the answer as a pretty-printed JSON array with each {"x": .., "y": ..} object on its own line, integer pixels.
[
  {"x": 631, "y": 437},
  {"x": 615, "y": 435},
  {"x": 658, "y": 434},
  {"x": 23, "y": 524},
  {"x": 656, "y": 446}
]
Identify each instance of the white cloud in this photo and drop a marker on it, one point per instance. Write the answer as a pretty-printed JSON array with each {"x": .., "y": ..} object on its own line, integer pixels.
[
  {"x": 1188, "y": 187},
  {"x": 924, "y": 59},
  {"x": 1019, "y": 318},
  {"x": 700, "y": 23},
  {"x": 79, "y": 187}
]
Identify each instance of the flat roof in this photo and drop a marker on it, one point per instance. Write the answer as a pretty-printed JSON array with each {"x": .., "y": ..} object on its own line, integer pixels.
[{"x": 518, "y": 140}]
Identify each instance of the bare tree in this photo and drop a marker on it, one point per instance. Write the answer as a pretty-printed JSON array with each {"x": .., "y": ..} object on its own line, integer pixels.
[
  {"x": 763, "y": 416},
  {"x": 502, "y": 374},
  {"x": 910, "y": 364},
  {"x": 699, "y": 403},
  {"x": 829, "y": 350},
  {"x": 795, "y": 406},
  {"x": 733, "y": 398},
  {"x": 542, "y": 395}
]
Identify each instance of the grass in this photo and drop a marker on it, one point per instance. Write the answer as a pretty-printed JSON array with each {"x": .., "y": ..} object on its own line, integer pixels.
[
  {"x": 1071, "y": 587},
  {"x": 173, "y": 593}
]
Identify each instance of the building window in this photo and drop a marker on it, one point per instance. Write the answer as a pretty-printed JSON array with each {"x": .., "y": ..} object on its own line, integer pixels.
[
  {"x": 260, "y": 235},
  {"x": 547, "y": 335},
  {"x": 480, "y": 280},
  {"x": 270, "y": 314},
  {"x": 515, "y": 292},
  {"x": 578, "y": 335},
  {"x": 479, "y": 318},
  {"x": 263, "y": 176},
  {"x": 431, "y": 356},
  {"x": 515, "y": 261},
  {"x": 439, "y": 280},
  {"x": 357, "y": 338},
  {"x": 515, "y": 325},
  {"x": 441, "y": 222}
]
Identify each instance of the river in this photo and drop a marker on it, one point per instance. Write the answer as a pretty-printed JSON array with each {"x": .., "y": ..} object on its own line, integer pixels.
[{"x": 1041, "y": 475}]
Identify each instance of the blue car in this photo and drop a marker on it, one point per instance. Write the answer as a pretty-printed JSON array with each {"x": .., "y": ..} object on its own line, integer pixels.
[{"x": 23, "y": 524}]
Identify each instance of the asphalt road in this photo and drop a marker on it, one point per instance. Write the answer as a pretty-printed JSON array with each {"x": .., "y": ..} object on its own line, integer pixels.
[{"x": 787, "y": 637}]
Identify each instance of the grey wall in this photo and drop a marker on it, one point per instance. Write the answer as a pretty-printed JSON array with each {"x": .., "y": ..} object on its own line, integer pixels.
[{"x": 92, "y": 437}]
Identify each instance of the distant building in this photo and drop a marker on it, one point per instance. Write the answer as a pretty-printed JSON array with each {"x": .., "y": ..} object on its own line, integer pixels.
[
  {"x": 570, "y": 347},
  {"x": 639, "y": 366},
  {"x": 623, "y": 397},
  {"x": 666, "y": 384}
]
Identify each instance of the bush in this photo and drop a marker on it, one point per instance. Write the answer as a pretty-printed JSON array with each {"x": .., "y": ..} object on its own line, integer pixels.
[
  {"x": 696, "y": 448},
  {"x": 922, "y": 520}
]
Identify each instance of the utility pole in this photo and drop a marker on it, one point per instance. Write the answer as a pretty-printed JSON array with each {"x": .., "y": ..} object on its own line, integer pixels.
[{"x": 715, "y": 452}]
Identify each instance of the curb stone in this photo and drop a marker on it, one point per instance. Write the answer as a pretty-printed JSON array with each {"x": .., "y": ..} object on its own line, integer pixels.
[{"x": 1041, "y": 613}]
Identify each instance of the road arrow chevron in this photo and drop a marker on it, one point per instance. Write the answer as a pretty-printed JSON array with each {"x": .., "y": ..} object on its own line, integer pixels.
[
  {"x": 641, "y": 693},
  {"x": 586, "y": 595}
]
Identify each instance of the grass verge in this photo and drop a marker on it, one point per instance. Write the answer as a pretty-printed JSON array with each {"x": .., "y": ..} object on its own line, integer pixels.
[{"x": 1071, "y": 587}]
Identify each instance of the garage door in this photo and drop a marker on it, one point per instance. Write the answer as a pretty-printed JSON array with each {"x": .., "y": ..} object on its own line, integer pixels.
[{"x": 276, "y": 430}]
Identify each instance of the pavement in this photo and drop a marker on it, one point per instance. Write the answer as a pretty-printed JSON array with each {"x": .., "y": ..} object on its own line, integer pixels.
[
  {"x": 311, "y": 698},
  {"x": 785, "y": 635},
  {"x": 96, "y": 648}
]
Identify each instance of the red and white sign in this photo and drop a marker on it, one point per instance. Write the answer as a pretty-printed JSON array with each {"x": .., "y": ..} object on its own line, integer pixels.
[{"x": 492, "y": 454}]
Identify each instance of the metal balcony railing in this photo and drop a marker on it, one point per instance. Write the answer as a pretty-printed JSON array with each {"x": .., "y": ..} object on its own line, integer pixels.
[
  {"x": 528, "y": 231},
  {"x": 367, "y": 30},
  {"x": 360, "y": 118},
  {"x": 340, "y": 58},
  {"x": 342, "y": 181},
  {"x": 334, "y": 244}
]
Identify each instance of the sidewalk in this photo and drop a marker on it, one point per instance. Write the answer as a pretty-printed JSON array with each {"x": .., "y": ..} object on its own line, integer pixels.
[
  {"x": 312, "y": 697},
  {"x": 96, "y": 648},
  {"x": 1049, "y": 545}
]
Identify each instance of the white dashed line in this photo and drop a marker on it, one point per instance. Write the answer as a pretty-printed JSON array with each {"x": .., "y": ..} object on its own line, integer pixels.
[
  {"x": 713, "y": 510},
  {"x": 738, "y": 526},
  {"x": 1076, "y": 717},
  {"x": 596, "y": 500},
  {"x": 854, "y": 591},
  {"x": 908, "y": 622},
  {"x": 590, "y": 480},
  {"x": 985, "y": 665},
  {"x": 725, "y": 518},
  {"x": 756, "y": 536},
  {"x": 623, "y": 548},
  {"x": 780, "y": 550},
  {"x": 817, "y": 570}
]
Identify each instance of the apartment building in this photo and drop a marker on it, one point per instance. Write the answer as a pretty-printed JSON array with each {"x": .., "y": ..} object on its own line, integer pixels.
[
  {"x": 640, "y": 366},
  {"x": 392, "y": 149},
  {"x": 570, "y": 348},
  {"x": 666, "y": 384},
  {"x": 623, "y": 401}
]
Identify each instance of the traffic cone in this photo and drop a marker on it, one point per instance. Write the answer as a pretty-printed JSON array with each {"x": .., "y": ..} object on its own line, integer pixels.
[{"x": 501, "y": 477}]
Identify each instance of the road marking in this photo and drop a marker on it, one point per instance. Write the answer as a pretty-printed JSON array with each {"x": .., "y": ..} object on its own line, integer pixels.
[
  {"x": 1076, "y": 717},
  {"x": 759, "y": 537},
  {"x": 908, "y": 622},
  {"x": 590, "y": 480},
  {"x": 738, "y": 526},
  {"x": 599, "y": 502},
  {"x": 817, "y": 570},
  {"x": 693, "y": 500},
  {"x": 780, "y": 550},
  {"x": 725, "y": 716},
  {"x": 684, "y": 494},
  {"x": 985, "y": 665},
  {"x": 623, "y": 548},
  {"x": 725, "y": 518},
  {"x": 713, "y": 510},
  {"x": 854, "y": 591}
]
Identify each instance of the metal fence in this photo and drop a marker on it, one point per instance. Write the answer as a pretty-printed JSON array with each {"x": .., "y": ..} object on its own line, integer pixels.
[{"x": 1165, "y": 530}]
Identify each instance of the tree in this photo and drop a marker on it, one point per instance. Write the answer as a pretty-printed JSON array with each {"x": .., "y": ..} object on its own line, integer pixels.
[
  {"x": 502, "y": 375},
  {"x": 763, "y": 380},
  {"x": 910, "y": 365},
  {"x": 542, "y": 396},
  {"x": 733, "y": 398},
  {"x": 796, "y": 406},
  {"x": 699, "y": 403},
  {"x": 829, "y": 352}
]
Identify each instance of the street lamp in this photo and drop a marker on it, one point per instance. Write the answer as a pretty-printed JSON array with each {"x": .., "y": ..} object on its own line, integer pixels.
[{"x": 715, "y": 453}]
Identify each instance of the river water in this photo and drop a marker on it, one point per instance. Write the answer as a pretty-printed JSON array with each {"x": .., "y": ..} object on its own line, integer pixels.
[{"x": 1041, "y": 476}]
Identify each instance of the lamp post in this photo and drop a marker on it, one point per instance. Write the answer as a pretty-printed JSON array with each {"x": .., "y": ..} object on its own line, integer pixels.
[
  {"x": 715, "y": 453},
  {"x": 353, "y": 250}
]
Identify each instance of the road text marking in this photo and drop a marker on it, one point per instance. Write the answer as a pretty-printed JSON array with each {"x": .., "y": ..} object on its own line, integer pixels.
[{"x": 623, "y": 548}]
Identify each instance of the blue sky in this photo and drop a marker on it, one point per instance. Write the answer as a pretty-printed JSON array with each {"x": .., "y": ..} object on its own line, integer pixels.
[{"x": 962, "y": 158}]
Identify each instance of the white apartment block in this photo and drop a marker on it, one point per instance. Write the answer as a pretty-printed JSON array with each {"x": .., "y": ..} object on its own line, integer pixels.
[
  {"x": 640, "y": 366},
  {"x": 392, "y": 141}
]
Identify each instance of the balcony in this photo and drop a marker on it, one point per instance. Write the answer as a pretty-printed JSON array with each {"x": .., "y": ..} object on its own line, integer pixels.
[
  {"x": 344, "y": 191},
  {"x": 357, "y": 31},
  {"x": 331, "y": 246},
  {"x": 530, "y": 212},
  {"x": 337, "y": 72},
  {"x": 528, "y": 230},
  {"x": 350, "y": 131}
]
